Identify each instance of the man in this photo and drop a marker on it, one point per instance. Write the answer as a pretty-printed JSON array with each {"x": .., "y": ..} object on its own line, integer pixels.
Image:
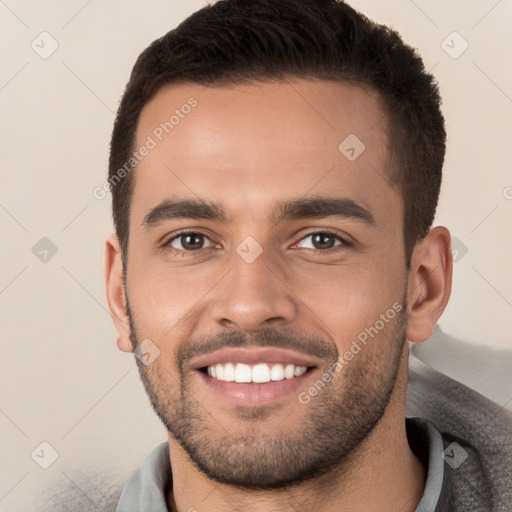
[{"x": 275, "y": 168}]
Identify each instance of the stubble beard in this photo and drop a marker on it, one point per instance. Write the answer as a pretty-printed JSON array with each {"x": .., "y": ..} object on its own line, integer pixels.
[{"x": 323, "y": 436}]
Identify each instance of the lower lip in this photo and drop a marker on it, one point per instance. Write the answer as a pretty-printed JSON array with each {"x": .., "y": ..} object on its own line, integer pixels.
[{"x": 254, "y": 393}]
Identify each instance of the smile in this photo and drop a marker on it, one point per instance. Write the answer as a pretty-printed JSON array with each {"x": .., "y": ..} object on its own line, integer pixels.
[
  {"x": 258, "y": 373},
  {"x": 255, "y": 376}
]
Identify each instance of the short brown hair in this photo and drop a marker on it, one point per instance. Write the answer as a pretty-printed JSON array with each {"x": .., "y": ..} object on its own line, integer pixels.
[{"x": 241, "y": 41}]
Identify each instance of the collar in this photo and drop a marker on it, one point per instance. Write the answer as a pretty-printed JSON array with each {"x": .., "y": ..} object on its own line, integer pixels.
[{"x": 147, "y": 487}]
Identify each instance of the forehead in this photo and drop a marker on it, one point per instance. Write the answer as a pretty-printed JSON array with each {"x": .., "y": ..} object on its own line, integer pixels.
[{"x": 247, "y": 146}]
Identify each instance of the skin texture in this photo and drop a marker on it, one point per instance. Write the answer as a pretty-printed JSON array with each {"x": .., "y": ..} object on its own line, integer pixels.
[{"x": 246, "y": 148}]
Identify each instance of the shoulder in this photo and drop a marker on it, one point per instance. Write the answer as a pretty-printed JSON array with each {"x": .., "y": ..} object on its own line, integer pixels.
[
  {"x": 477, "y": 440},
  {"x": 146, "y": 488}
]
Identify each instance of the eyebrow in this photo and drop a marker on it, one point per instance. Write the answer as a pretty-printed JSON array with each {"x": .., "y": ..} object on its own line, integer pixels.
[{"x": 311, "y": 207}]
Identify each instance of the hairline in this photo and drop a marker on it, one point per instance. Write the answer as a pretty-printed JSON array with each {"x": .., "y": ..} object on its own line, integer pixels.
[{"x": 392, "y": 159}]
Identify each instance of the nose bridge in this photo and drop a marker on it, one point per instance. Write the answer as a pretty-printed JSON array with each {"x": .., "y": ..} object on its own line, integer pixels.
[{"x": 253, "y": 292}]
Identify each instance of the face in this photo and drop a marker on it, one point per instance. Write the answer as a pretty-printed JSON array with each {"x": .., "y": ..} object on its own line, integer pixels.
[{"x": 266, "y": 267}]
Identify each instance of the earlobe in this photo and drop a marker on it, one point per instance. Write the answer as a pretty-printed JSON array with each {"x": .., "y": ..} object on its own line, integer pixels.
[
  {"x": 116, "y": 293},
  {"x": 429, "y": 283}
]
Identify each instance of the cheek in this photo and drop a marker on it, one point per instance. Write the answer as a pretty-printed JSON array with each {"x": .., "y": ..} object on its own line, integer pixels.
[
  {"x": 163, "y": 384},
  {"x": 163, "y": 297},
  {"x": 355, "y": 301}
]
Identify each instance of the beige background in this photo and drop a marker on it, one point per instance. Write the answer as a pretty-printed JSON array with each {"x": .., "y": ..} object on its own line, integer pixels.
[{"x": 62, "y": 379}]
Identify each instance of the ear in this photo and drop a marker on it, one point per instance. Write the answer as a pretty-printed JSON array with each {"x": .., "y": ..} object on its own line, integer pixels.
[
  {"x": 429, "y": 283},
  {"x": 116, "y": 293}
]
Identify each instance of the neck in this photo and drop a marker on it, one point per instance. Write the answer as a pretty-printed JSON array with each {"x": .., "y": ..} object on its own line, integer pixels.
[{"x": 381, "y": 474}]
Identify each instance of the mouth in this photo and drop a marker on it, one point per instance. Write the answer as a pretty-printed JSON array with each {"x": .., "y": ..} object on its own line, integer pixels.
[
  {"x": 254, "y": 377},
  {"x": 260, "y": 373}
]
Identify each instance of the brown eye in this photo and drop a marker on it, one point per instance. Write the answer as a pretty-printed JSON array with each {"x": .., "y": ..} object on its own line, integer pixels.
[
  {"x": 189, "y": 242},
  {"x": 324, "y": 240}
]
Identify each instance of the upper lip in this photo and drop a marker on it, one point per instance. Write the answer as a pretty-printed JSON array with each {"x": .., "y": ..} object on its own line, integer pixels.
[{"x": 254, "y": 356}]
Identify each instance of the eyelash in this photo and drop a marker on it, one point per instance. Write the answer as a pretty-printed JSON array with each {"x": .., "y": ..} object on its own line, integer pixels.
[{"x": 345, "y": 241}]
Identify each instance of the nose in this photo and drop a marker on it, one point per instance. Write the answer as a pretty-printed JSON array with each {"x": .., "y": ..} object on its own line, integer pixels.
[{"x": 254, "y": 295}]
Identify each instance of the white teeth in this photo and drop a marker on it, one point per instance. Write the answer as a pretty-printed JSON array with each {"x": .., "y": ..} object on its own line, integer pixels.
[
  {"x": 259, "y": 373},
  {"x": 277, "y": 372},
  {"x": 229, "y": 372},
  {"x": 243, "y": 373},
  {"x": 289, "y": 371},
  {"x": 300, "y": 370}
]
